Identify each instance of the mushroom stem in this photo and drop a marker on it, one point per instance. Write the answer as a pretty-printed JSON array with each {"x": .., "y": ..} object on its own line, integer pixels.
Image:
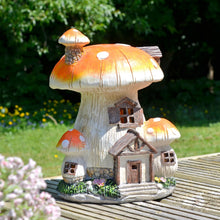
[
  {"x": 72, "y": 54},
  {"x": 93, "y": 122}
]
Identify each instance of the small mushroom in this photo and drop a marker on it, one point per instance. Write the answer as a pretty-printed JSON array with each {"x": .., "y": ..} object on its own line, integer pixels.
[
  {"x": 71, "y": 141},
  {"x": 73, "y": 40},
  {"x": 160, "y": 131}
]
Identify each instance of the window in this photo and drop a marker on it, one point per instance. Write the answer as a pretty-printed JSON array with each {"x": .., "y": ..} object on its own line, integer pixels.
[
  {"x": 70, "y": 168},
  {"x": 126, "y": 115},
  {"x": 168, "y": 158}
]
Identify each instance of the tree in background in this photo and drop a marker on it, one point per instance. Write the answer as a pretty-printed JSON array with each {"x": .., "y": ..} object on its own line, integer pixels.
[
  {"x": 186, "y": 31},
  {"x": 28, "y": 41}
]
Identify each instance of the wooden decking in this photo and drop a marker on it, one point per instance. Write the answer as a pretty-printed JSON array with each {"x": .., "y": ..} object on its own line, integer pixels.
[{"x": 196, "y": 196}]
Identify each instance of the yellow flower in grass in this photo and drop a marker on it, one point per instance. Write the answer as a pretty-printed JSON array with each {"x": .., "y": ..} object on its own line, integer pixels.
[
  {"x": 16, "y": 106},
  {"x": 27, "y": 113},
  {"x": 206, "y": 111},
  {"x": 10, "y": 123},
  {"x": 16, "y": 112},
  {"x": 22, "y": 115},
  {"x": 19, "y": 109},
  {"x": 56, "y": 156},
  {"x": 44, "y": 119}
]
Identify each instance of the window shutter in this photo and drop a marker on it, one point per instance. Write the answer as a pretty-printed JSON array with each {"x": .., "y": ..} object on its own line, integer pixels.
[{"x": 138, "y": 116}]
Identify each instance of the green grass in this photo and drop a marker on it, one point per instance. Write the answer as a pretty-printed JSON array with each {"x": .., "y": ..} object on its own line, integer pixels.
[
  {"x": 40, "y": 144},
  {"x": 197, "y": 140}
]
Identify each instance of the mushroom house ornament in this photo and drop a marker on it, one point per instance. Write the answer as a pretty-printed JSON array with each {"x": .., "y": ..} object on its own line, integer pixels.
[{"x": 113, "y": 154}]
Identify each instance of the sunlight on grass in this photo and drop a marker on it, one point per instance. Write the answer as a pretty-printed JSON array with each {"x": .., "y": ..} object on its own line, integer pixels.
[
  {"x": 38, "y": 144},
  {"x": 198, "y": 140}
]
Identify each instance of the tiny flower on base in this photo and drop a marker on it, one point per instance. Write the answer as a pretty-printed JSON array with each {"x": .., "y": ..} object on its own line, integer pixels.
[
  {"x": 56, "y": 156},
  {"x": 162, "y": 179},
  {"x": 99, "y": 182},
  {"x": 157, "y": 179}
]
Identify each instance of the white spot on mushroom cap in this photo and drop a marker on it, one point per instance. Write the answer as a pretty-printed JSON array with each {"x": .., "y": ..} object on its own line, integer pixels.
[
  {"x": 102, "y": 55},
  {"x": 156, "y": 119},
  {"x": 82, "y": 138},
  {"x": 65, "y": 143},
  {"x": 154, "y": 62},
  {"x": 150, "y": 130},
  {"x": 71, "y": 129}
]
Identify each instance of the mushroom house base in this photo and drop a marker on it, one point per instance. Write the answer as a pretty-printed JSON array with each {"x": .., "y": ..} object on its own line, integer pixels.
[{"x": 121, "y": 194}]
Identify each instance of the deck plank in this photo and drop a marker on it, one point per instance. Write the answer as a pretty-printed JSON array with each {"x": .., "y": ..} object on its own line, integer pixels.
[{"x": 196, "y": 196}]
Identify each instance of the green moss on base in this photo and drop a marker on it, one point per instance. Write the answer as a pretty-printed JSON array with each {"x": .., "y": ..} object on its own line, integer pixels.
[{"x": 103, "y": 187}]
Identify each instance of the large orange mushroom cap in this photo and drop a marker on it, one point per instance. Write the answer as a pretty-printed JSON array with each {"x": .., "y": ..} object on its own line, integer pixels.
[
  {"x": 107, "y": 66},
  {"x": 160, "y": 130},
  {"x": 71, "y": 141}
]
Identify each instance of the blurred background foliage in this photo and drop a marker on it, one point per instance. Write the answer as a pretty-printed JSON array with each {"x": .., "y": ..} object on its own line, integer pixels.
[{"x": 186, "y": 31}]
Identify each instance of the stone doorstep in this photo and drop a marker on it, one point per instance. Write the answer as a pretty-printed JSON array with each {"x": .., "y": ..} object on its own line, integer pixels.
[
  {"x": 138, "y": 189},
  {"x": 139, "y": 192},
  {"x": 133, "y": 185}
]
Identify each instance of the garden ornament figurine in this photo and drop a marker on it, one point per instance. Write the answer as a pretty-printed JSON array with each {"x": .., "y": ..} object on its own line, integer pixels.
[{"x": 113, "y": 154}]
